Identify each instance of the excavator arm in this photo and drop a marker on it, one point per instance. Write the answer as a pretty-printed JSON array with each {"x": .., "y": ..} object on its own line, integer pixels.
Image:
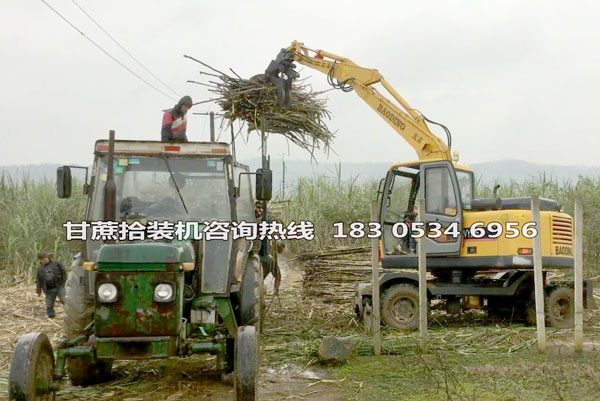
[{"x": 344, "y": 74}]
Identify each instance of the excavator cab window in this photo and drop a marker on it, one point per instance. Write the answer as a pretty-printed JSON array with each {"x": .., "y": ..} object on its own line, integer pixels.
[
  {"x": 439, "y": 192},
  {"x": 466, "y": 186}
]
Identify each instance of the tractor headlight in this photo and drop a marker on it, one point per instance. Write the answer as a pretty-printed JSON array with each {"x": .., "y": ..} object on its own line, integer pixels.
[
  {"x": 107, "y": 292},
  {"x": 163, "y": 293}
]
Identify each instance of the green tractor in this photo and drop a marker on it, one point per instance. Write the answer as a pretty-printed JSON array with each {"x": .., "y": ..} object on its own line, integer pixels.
[{"x": 131, "y": 298}]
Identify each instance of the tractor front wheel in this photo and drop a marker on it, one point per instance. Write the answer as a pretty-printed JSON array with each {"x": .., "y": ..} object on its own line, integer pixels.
[
  {"x": 31, "y": 369},
  {"x": 79, "y": 310},
  {"x": 246, "y": 364}
]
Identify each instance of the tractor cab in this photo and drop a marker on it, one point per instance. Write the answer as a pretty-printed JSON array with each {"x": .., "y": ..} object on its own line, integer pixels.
[
  {"x": 153, "y": 291},
  {"x": 191, "y": 182}
]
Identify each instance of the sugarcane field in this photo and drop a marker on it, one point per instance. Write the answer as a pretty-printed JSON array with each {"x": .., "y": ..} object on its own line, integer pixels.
[{"x": 302, "y": 228}]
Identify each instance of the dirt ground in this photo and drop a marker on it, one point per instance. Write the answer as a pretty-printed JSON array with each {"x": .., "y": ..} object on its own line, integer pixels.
[
  {"x": 193, "y": 378},
  {"x": 471, "y": 357}
]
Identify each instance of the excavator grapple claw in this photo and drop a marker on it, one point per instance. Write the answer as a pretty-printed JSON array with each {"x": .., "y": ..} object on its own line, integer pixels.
[{"x": 281, "y": 73}]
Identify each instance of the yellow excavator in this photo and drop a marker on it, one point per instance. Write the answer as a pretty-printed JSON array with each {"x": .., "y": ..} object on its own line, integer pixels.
[{"x": 479, "y": 251}]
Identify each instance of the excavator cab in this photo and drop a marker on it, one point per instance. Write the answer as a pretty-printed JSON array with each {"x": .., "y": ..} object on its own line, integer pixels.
[{"x": 438, "y": 183}]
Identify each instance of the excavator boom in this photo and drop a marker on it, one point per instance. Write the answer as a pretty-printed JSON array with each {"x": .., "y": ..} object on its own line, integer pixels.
[{"x": 344, "y": 74}]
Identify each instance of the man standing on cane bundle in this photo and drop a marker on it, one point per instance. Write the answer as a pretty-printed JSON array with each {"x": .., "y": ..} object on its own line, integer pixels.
[{"x": 50, "y": 279}]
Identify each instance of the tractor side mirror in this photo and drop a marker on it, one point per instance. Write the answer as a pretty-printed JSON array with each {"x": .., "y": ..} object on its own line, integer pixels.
[
  {"x": 264, "y": 184},
  {"x": 64, "y": 182}
]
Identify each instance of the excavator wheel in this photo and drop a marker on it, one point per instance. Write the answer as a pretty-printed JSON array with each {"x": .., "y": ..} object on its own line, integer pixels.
[
  {"x": 560, "y": 310},
  {"x": 400, "y": 306}
]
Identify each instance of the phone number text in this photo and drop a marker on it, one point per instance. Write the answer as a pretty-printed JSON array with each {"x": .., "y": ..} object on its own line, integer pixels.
[{"x": 479, "y": 230}]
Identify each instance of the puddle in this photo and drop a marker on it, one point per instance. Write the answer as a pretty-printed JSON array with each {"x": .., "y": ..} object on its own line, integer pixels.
[{"x": 294, "y": 380}]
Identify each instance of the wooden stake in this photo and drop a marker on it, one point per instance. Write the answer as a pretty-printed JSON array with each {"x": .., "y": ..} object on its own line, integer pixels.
[
  {"x": 375, "y": 273},
  {"x": 422, "y": 254},
  {"x": 578, "y": 273},
  {"x": 538, "y": 276}
]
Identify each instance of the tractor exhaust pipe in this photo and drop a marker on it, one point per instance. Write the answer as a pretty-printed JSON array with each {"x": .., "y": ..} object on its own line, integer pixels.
[
  {"x": 496, "y": 188},
  {"x": 110, "y": 189},
  {"x": 212, "y": 126}
]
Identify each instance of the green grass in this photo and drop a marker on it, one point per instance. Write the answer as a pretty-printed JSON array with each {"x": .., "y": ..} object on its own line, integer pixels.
[
  {"x": 31, "y": 217},
  {"x": 324, "y": 200},
  {"x": 454, "y": 376},
  {"x": 470, "y": 357}
]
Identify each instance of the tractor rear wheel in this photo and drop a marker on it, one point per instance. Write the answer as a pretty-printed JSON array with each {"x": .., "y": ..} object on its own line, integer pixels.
[
  {"x": 78, "y": 314},
  {"x": 560, "y": 310},
  {"x": 246, "y": 364},
  {"x": 400, "y": 307},
  {"x": 31, "y": 369}
]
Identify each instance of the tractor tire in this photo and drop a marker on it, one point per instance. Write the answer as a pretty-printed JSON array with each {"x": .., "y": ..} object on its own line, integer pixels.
[
  {"x": 246, "y": 364},
  {"x": 251, "y": 296},
  {"x": 78, "y": 314},
  {"x": 400, "y": 307},
  {"x": 31, "y": 369},
  {"x": 560, "y": 309}
]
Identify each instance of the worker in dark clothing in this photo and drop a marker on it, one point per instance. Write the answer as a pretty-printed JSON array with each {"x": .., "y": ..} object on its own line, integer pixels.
[
  {"x": 175, "y": 121},
  {"x": 50, "y": 279}
]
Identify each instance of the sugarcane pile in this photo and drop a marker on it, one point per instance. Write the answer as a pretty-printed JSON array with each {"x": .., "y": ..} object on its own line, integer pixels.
[
  {"x": 332, "y": 274},
  {"x": 255, "y": 103}
]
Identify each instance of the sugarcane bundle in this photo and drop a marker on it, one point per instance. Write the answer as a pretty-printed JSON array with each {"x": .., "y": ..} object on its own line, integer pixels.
[
  {"x": 255, "y": 102},
  {"x": 332, "y": 273}
]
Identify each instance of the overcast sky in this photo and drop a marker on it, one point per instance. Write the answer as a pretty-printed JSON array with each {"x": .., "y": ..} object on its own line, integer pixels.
[{"x": 511, "y": 79}]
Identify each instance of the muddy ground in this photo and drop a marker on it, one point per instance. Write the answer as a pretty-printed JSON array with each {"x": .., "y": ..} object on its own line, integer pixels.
[
  {"x": 194, "y": 378},
  {"x": 471, "y": 357}
]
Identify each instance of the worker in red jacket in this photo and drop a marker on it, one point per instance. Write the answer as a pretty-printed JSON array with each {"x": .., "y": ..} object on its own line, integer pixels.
[{"x": 175, "y": 121}]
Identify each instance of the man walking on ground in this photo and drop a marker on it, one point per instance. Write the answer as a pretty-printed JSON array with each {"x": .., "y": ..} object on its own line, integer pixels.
[
  {"x": 50, "y": 279},
  {"x": 175, "y": 121}
]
